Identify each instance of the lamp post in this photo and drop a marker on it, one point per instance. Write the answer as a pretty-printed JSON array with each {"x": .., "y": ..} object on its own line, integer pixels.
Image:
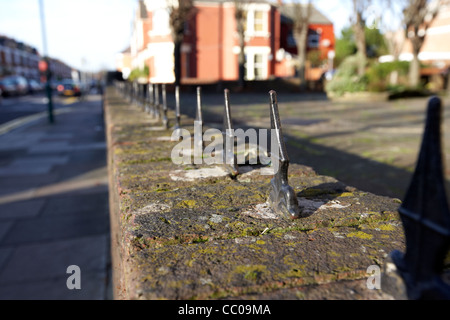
[{"x": 47, "y": 63}]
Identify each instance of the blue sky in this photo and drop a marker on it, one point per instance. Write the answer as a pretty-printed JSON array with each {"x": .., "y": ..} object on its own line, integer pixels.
[
  {"x": 87, "y": 34},
  {"x": 83, "y": 33}
]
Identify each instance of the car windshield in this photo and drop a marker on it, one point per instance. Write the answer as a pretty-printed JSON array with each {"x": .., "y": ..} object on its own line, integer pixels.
[{"x": 8, "y": 81}]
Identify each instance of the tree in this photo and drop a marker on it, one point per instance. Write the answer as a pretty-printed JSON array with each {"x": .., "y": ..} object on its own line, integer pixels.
[
  {"x": 240, "y": 14},
  {"x": 346, "y": 45},
  {"x": 179, "y": 12},
  {"x": 359, "y": 24},
  {"x": 301, "y": 19},
  {"x": 392, "y": 22},
  {"x": 418, "y": 16}
]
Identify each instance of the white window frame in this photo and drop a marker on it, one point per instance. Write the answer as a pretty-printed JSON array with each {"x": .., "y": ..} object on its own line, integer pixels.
[
  {"x": 250, "y": 53},
  {"x": 251, "y": 9}
]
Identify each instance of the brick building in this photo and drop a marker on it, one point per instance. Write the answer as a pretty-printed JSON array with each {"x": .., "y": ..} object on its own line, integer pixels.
[
  {"x": 210, "y": 48},
  {"x": 18, "y": 58},
  {"x": 436, "y": 48},
  {"x": 435, "y": 52}
]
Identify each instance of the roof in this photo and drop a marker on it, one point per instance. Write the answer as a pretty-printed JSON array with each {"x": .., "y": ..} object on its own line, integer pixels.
[
  {"x": 227, "y": 1},
  {"x": 287, "y": 14},
  {"x": 142, "y": 10},
  {"x": 127, "y": 50}
]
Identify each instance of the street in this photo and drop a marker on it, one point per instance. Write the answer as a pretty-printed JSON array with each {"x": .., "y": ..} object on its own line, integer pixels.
[
  {"x": 54, "y": 212},
  {"x": 21, "y": 106},
  {"x": 16, "y": 107}
]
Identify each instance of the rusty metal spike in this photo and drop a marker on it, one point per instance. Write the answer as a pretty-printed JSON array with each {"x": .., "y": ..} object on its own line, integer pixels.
[
  {"x": 229, "y": 158},
  {"x": 282, "y": 197},
  {"x": 426, "y": 217}
]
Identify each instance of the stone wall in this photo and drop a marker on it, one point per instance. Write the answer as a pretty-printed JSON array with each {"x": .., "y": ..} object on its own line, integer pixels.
[{"x": 193, "y": 232}]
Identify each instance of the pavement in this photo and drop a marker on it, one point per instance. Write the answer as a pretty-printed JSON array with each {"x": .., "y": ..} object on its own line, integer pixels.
[{"x": 54, "y": 212}]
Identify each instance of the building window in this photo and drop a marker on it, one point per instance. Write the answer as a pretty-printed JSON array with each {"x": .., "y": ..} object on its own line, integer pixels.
[
  {"x": 258, "y": 66},
  {"x": 255, "y": 66},
  {"x": 258, "y": 22},
  {"x": 291, "y": 39},
  {"x": 313, "y": 40},
  {"x": 16, "y": 58}
]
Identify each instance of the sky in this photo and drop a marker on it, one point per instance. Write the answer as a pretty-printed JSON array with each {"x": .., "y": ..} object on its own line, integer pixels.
[{"x": 87, "y": 34}]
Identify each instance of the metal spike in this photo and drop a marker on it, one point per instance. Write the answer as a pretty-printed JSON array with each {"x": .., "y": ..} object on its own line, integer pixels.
[
  {"x": 146, "y": 97},
  {"x": 229, "y": 158},
  {"x": 177, "y": 107},
  {"x": 165, "y": 120},
  {"x": 151, "y": 99},
  {"x": 199, "y": 119},
  {"x": 138, "y": 95},
  {"x": 142, "y": 96},
  {"x": 132, "y": 92},
  {"x": 157, "y": 102},
  {"x": 135, "y": 96},
  {"x": 426, "y": 218},
  {"x": 282, "y": 197},
  {"x": 129, "y": 92},
  {"x": 199, "y": 115}
]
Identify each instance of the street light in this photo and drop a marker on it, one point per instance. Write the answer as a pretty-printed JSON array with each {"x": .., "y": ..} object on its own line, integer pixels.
[{"x": 47, "y": 64}]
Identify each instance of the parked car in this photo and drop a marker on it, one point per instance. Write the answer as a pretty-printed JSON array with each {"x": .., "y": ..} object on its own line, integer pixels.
[
  {"x": 20, "y": 83},
  {"x": 69, "y": 88},
  {"x": 34, "y": 86},
  {"x": 7, "y": 87}
]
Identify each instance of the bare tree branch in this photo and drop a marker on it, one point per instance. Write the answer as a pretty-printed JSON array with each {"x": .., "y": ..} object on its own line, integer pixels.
[
  {"x": 179, "y": 12},
  {"x": 240, "y": 14},
  {"x": 418, "y": 16},
  {"x": 359, "y": 25},
  {"x": 301, "y": 21}
]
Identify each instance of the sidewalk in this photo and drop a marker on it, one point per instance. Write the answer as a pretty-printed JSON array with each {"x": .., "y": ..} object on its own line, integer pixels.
[{"x": 54, "y": 206}]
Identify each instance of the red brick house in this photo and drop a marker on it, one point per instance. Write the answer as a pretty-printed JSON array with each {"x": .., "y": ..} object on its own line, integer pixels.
[
  {"x": 435, "y": 52},
  {"x": 210, "y": 48}
]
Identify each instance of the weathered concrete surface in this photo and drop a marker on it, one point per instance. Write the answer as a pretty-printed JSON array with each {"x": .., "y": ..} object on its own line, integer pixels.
[{"x": 214, "y": 238}]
